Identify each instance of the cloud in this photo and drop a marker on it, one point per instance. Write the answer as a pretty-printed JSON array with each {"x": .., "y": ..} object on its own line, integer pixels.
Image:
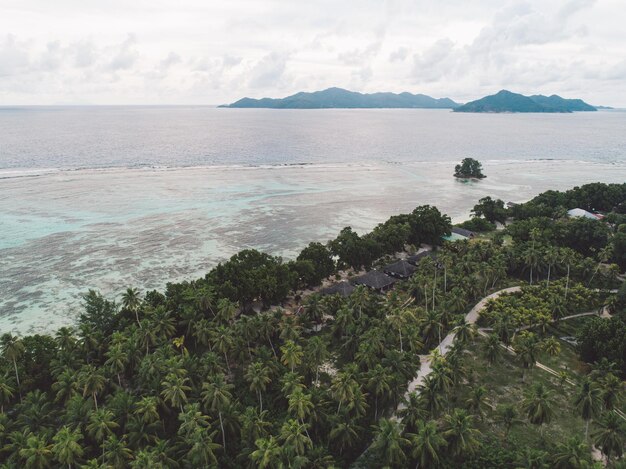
[
  {"x": 14, "y": 57},
  {"x": 399, "y": 55},
  {"x": 172, "y": 59},
  {"x": 126, "y": 55},
  {"x": 269, "y": 71}
]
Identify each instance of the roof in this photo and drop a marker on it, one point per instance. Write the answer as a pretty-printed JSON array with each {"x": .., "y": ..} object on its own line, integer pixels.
[
  {"x": 580, "y": 213},
  {"x": 463, "y": 232},
  {"x": 416, "y": 258},
  {"x": 401, "y": 269},
  {"x": 375, "y": 279},
  {"x": 342, "y": 288}
]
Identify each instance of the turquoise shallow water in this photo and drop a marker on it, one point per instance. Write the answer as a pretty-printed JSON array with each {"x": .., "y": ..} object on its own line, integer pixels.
[{"x": 186, "y": 195}]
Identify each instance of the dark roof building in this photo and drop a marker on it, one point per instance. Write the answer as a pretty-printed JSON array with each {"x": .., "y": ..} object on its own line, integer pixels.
[
  {"x": 463, "y": 232},
  {"x": 375, "y": 280},
  {"x": 417, "y": 258},
  {"x": 342, "y": 288},
  {"x": 401, "y": 269}
]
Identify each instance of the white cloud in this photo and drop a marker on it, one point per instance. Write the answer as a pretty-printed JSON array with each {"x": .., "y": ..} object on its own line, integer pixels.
[{"x": 216, "y": 52}]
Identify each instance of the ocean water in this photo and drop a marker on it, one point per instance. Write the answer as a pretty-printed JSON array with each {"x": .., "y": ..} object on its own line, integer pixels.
[{"x": 110, "y": 197}]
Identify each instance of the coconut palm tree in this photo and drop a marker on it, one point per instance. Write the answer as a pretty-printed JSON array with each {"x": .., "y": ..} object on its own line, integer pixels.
[
  {"x": 379, "y": 382},
  {"x": 464, "y": 332},
  {"x": 316, "y": 352},
  {"x": 552, "y": 346},
  {"x": 6, "y": 391},
  {"x": 295, "y": 438},
  {"x": 609, "y": 436},
  {"x": 573, "y": 454},
  {"x": 538, "y": 404},
  {"x": 588, "y": 402},
  {"x": 67, "y": 448},
  {"x": 258, "y": 376},
  {"x": 268, "y": 453},
  {"x": 92, "y": 381},
  {"x": 427, "y": 445},
  {"x": 507, "y": 414},
  {"x": 292, "y": 354},
  {"x": 527, "y": 347},
  {"x": 477, "y": 401},
  {"x": 611, "y": 389},
  {"x": 359, "y": 299},
  {"x": 101, "y": 425},
  {"x": 12, "y": 350},
  {"x": 116, "y": 453},
  {"x": 491, "y": 348},
  {"x": 216, "y": 396},
  {"x": 37, "y": 453},
  {"x": 131, "y": 300},
  {"x": 344, "y": 434},
  {"x": 389, "y": 442},
  {"x": 551, "y": 256},
  {"x": 116, "y": 361},
  {"x": 413, "y": 412},
  {"x": 175, "y": 390},
  {"x": 300, "y": 405},
  {"x": 202, "y": 448},
  {"x": 460, "y": 433},
  {"x": 223, "y": 342}
]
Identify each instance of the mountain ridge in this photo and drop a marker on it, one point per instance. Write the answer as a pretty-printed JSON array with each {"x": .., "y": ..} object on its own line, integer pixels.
[
  {"x": 339, "y": 98},
  {"x": 507, "y": 101}
]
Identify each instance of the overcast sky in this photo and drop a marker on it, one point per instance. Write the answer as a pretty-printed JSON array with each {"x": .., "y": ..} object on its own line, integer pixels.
[{"x": 212, "y": 52}]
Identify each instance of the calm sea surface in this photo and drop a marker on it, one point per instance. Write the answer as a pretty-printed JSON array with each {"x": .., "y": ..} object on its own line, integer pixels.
[{"x": 106, "y": 197}]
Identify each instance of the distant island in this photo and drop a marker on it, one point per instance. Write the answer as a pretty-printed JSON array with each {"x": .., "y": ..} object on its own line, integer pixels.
[
  {"x": 506, "y": 101},
  {"x": 340, "y": 98},
  {"x": 469, "y": 169}
]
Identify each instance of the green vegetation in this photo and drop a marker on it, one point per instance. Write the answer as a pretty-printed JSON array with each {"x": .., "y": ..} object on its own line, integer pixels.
[
  {"x": 215, "y": 373},
  {"x": 469, "y": 168},
  {"x": 506, "y": 101}
]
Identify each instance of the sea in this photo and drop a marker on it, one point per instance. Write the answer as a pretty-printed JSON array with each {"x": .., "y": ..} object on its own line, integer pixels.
[{"x": 115, "y": 196}]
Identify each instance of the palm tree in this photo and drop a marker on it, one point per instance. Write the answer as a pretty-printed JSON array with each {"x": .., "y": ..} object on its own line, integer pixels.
[
  {"x": 101, "y": 425},
  {"x": 427, "y": 444},
  {"x": 344, "y": 434},
  {"x": 413, "y": 412},
  {"x": 131, "y": 300},
  {"x": 216, "y": 396},
  {"x": 258, "y": 375},
  {"x": 532, "y": 458},
  {"x": 538, "y": 404},
  {"x": 300, "y": 404},
  {"x": 316, "y": 353},
  {"x": 460, "y": 433},
  {"x": 477, "y": 401},
  {"x": 268, "y": 453},
  {"x": 389, "y": 442},
  {"x": 397, "y": 321},
  {"x": 465, "y": 332},
  {"x": 611, "y": 387},
  {"x": 492, "y": 349},
  {"x": 175, "y": 390},
  {"x": 295, "y": 438},
  {"x": 531, "y": 257},
  {"x": 201, "y": 448},
  {"x": 292, "y": 354},
  {"x": 223, "y": 342},
  {"x": 588, "y": 402},
  {"x": 67, "y": 448},
  {"x": 558, "y": 308},
  {"x": 507, "y": 414},
  {"x": 573, "y": 454},
  {"x": 12, "y": 350},
  {"x": 360, "y": 298},
  {"x": 254, "y": 424},
  {"x": 609, "y": 436},
  {"x": 526, "y": 347},
  {"x": 431, "y": 326},
  {"x": 37, "y": 453},
  {"x": 551, "y": 257},
  {"x": 6, "y": 391},
  {"x": 379, "y": 382},
  {"x": 552, "y": 346},
  {"x": 116, "y": 453},
  {"x": 93, "y": 382},
  {"x": 567, "y": 257},
  {"x": 117, "y": 360}
]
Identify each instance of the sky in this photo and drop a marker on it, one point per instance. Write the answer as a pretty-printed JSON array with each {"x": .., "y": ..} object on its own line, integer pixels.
[{"x": 215, "y": 52}]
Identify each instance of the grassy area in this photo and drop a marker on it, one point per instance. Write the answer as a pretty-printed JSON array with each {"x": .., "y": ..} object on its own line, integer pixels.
[{"x": 503, "y": 381}]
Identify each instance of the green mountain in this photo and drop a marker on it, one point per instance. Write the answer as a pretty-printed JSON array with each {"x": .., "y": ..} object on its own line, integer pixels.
[
  {"x": 340, "y": 98},
  {"x": 506, "y": 101}
]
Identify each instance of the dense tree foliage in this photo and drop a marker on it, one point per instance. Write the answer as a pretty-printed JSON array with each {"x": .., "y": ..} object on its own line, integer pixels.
[{"x": 469, "y": 168}]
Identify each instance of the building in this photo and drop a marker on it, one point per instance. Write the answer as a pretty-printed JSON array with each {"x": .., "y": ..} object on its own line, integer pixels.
[
  {"x": 400, "y": 269},
  {"x": 417, "y": 258},
  {"x": 375, "y": 280},
  {"x": 463, "y": 232},
  {"x": 580, "y": 213},
  {"x": 342, "y": 288}
]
